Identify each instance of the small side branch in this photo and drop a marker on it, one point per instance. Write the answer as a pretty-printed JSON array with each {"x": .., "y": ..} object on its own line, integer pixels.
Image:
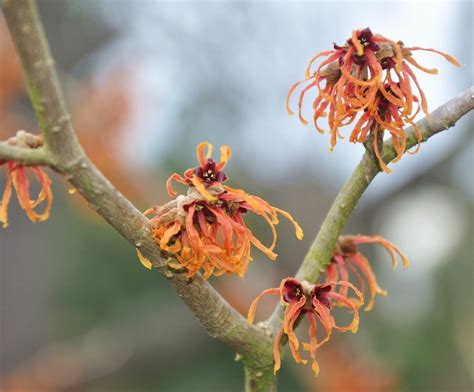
[{"x": 25, "y": 156}]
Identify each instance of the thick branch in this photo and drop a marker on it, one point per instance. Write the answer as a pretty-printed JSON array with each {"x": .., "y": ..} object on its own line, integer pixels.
[
  {"x": 216, "y": 315},
  {"x": 25, "y": 156},
  {"x": 321, "y": 250}
]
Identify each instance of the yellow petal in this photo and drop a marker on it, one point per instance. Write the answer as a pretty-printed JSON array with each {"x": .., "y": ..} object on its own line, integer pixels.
[
  {"x": 202, "y": 189},
  {"x": 145, "y": 262}
]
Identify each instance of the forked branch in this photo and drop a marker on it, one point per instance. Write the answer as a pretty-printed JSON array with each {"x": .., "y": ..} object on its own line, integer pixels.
[{"x": 63, "y": 153}]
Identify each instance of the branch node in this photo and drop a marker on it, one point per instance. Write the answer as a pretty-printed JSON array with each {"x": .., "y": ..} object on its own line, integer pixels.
[{"x": 48, "y": 62}]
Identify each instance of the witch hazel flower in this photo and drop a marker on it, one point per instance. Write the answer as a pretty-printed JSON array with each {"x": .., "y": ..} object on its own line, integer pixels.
[
  {"x": 17, "y": 179},
  {"x": 348, "y": 259},
  {"x": 351, "y": 75},
  {"x": 315, "y": 302},
  {"x": 205, "y": 229},
  {"x": 371, "y": 76}
]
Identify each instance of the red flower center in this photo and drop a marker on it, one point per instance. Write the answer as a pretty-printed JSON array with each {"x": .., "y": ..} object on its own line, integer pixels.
[
  {"x": 320, "y": 292},
  {"x": 292, "y": 291},
  {"x": 209, "y": 173}
]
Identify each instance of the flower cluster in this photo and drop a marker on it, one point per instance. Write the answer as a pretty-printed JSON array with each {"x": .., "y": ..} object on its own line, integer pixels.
[
  {"x": 205, "y": 229},
  {"x": 316, "y": 301},
  {"x": 17, "y": 178},
  {"x": 371, "y": 75}
]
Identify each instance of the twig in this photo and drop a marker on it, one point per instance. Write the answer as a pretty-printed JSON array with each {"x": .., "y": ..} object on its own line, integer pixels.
[{"x": 26, "y": 156}]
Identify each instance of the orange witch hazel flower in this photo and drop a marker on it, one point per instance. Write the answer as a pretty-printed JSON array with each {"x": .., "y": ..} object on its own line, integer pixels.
[
  {"x": 347, "y": 258},
  {"x": 371, "y": 75},
  {"x": 315, "y": 302},
  {"x": 205, "y": 229},
  {"x": 17, "y": 178}
]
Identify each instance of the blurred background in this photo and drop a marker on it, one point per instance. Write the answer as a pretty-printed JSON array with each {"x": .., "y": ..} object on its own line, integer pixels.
[{"x": 145, "y": 81}]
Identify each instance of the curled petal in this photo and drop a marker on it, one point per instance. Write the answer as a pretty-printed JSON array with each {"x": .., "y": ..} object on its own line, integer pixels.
[
  {"x": 253, "y": 306},
  {"x": 290, "y": 93},
  {"x": 313, "y": 343},
  {"x": 45, "y": 193},
  {"x": 292, "y": 312},
  {"x": 226, "y": 153},
  {"x": 390, "y": 247},
  {"x": 343, "y": 271},
  {"x": 311, "y": 62},
  {"x": 170, "y": 232},
  {"x": 432, "y": 71},
  {"x": 276, "y": 351},
  {"x": 204, "y": 156},
  {"x": 424, "y": 104},
  {"x": 169, "y": 185},
  {"x": 145, "y": 262},
  {"x": 265, "y": 210},
  {"x": 382, "y": 164},
  {"x": 362, "y": 263},
  {"x": 448, "y": 57},
  {"x": 324, "y": 316},
  {"x": 359, "y": 280},
  {"x": 349, "y": 285},
  {"x": 355, "y": 41},
  {"x": 419, "y": 137},
  {"x": 7, "y": 193},
  {"x": 354, "y": 325},
  {"x": 19, "y": 179},
  {"x": 298, "y": 229},
  {"x": 332, "y": 273},
  {"x": 197, "y": 182},
  {"x": 300, "y": 102},
  {"x": 268, "y": 252}
]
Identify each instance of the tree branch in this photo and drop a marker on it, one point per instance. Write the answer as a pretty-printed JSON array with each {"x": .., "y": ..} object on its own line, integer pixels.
[
  {"x": 321, "y": 250},
  {"x": 67, "y": 156},
  {"x": 26, "y": 156}
]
